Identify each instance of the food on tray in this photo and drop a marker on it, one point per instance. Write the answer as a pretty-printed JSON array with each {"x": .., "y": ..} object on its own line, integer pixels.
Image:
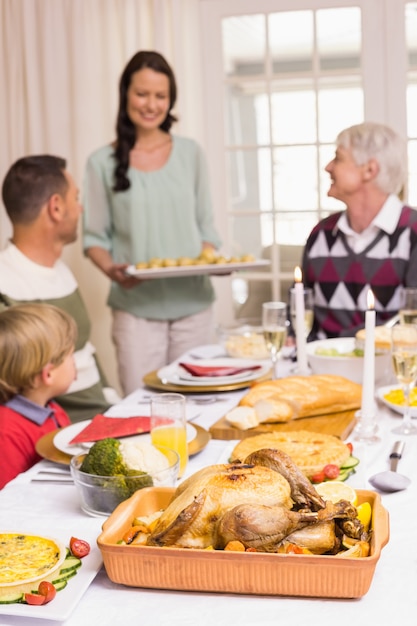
[
  {"x": 294, "y": 397},
  {"x": 310, "y": 451},
  {"x": 207, "y": 257},
  {"x": 33, "y": 568},
  {"x": 264, "y": 504},
  {"x": 396, "y": 396}
]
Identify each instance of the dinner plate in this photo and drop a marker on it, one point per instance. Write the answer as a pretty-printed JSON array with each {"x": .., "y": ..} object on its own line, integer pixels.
[
  {"x": 174, "y": 374},
  {"x": 195, "y": 270},
  {"x": 152, "y": 380},
  {"x": 46, "y": 449},
  {"x": 67, "y": 599},
  {"x": 65, "y": 435},
  {"x": 395, "y": 407}
]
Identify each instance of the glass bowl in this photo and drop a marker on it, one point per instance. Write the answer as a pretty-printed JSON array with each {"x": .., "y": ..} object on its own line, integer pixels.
[
  {"x": 243, "y": 340},
  {"x": 100, "y": 495}
]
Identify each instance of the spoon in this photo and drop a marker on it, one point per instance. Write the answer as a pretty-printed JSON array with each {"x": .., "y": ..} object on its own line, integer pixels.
[{"x": 390, "y": 480}]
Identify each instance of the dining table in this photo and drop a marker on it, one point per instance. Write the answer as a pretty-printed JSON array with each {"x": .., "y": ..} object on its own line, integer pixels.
[{"x": 44, "y": 500}]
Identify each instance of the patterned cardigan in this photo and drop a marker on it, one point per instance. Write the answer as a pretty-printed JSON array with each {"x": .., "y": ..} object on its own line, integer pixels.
[{"x": 341, "y": 278}]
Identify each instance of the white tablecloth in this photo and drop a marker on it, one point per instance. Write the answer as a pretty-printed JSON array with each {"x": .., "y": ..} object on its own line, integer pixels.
[{"x": 392, "y": 598}]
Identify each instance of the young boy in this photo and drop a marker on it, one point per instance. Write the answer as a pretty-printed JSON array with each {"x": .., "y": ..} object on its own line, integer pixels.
[{"x": 36, "y": 364}]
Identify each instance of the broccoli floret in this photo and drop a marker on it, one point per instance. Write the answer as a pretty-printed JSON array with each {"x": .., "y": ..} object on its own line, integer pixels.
[{"x": 104, "y": 459}]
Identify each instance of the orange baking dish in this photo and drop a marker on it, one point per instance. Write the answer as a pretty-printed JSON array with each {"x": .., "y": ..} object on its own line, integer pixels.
[{"x": 235, "y": 572}]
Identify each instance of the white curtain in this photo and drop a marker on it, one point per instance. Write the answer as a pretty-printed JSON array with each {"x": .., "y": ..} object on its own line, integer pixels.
[{"x": 60, "y": 62}]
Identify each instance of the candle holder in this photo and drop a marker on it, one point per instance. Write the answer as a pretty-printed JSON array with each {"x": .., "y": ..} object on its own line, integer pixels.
[{"x": 366, "y": 429}]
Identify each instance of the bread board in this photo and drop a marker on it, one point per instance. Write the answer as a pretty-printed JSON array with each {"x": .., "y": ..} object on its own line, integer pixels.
[{"x": 338, "y": 424}]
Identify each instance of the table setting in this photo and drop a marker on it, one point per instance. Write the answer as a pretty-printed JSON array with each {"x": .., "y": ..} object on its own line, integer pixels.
[{"x": 45, "y": 500}]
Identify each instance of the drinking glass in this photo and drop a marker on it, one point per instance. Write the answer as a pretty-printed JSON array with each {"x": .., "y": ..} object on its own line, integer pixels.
[
  {"x": 169, "y": 425},
  {"x": 274, "y": 325},
  {"x": 404, "y": 360},
  {"x": 308, "y": 310},
  {"x": 408, "y": 313}
]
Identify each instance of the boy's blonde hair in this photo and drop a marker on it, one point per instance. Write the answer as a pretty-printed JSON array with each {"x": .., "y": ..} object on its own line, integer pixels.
[{"x": 31, "y": 336}]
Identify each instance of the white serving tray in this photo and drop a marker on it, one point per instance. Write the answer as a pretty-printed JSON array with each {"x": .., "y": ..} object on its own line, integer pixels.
[{"x": 217, "y": 269}]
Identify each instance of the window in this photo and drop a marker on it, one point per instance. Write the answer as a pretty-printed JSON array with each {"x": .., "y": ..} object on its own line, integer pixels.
[{"x": 285, "y": 77}]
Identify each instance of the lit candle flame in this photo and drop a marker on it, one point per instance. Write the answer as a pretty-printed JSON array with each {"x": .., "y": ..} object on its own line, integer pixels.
[
  {"x": 298, "y": 275},
  {"x": 370, "y": 299}
]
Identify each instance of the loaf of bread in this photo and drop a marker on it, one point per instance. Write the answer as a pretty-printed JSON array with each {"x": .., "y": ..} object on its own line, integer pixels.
[{"x": 294, "y": 397}]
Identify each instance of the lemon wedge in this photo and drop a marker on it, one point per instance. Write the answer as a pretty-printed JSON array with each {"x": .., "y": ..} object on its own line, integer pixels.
[
  {"x": 364, "y": 514},
  {"x": 335, "y": 490}
]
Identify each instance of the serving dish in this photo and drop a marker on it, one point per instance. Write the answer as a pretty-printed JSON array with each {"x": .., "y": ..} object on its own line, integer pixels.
[
  {"x": 235, "y": 572},
  {"x": 46, "y": 449},
  {"x": 100, "y": 495},
  {"x": 350, "y": 367},
  {"x": 67, "y": 599},
  {"x": 382, "y": 391},
  {"x": 195, "y": 270},
  {"x": 244, "y": 340}
]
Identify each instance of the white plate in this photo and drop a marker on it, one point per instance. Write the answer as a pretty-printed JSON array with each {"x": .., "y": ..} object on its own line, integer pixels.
[
  {"x": 67, "y": 599},
  {"x": 176, "y": 375},
  {"x": 195, "y": 270},
  {"x": 395, "y": 407},
  {"x": 63, "y": 437}
]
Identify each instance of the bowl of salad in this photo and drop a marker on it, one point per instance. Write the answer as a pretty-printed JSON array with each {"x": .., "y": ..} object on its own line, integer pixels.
[{"x": 342, "y": 357}]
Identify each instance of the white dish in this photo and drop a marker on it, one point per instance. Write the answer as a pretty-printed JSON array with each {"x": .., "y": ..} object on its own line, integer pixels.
[
  {"x": 67, "y": 599},
  {"x": 395, "y": 407},
  {"x": 195, "y": 270},
  {"x": 345, "y": 364},
  {"x": 176, "y": 375},
  {"x": 63, "y": 437}
]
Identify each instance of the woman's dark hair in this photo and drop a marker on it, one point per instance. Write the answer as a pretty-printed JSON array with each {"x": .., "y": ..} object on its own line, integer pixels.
[{"x": 125, "y": 130}]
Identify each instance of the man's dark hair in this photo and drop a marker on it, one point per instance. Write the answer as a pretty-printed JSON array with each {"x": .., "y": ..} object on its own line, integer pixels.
[{"x": 29, "y": 183}]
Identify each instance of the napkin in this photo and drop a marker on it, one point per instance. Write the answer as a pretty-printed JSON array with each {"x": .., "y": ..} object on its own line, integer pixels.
[
  {"x": 101, "y": 427},
  {"x": 217, "y": 370}
]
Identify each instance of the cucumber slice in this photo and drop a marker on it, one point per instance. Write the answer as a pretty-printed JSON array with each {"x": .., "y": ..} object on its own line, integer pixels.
[
  {"x": 13, "y": 598},
  {"x": 61, "y": 584},
  {"x": 345, "y": 473},
  {"x": 352, "y": 461},
  {"x": 65, "y": 575},
  {"x": 70, "y": 563}
]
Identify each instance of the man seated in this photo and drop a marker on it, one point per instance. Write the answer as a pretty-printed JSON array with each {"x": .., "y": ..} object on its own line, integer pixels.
[
  {"x": 372, "y": 244},
  {"x": 41, "y": 200}
]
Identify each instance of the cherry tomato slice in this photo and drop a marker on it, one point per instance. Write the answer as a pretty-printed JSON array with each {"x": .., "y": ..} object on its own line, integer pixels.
[
  {"x": 331, "y": 471},
  {"x": 79, "y": 547},
  {"x": 318, "y": 478},
  {"x": 35, "y": 599},
  {"x": 47, "y": 590}
]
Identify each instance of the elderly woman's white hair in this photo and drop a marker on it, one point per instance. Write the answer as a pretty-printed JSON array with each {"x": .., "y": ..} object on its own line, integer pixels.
[{"x": 375, "y": 141}]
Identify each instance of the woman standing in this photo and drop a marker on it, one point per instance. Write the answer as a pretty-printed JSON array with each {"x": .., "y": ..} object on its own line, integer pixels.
[{"x": 147, "y": 196}]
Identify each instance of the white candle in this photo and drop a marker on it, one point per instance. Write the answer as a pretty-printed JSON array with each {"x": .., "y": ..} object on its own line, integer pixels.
[
  {"x": 368, "y": 381},
  {"x": 300, "y": 328}
]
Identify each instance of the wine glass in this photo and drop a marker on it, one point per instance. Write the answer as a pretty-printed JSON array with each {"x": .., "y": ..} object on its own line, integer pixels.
[
  {"x": 404, "y": 359},
  {"x": 408, "y": 313},
  {"x": 274, "y": 324},
  {"x": 308, "y": 310}
]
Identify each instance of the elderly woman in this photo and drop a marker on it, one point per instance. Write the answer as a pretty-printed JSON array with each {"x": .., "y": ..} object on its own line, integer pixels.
[{"x": 370, "y": 245}]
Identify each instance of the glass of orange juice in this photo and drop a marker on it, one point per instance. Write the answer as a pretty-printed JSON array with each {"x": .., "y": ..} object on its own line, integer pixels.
[{"x": 169, "y": 425}]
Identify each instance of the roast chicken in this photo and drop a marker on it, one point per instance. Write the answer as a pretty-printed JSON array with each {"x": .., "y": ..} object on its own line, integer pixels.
[{"x": 262, "y": 503}]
